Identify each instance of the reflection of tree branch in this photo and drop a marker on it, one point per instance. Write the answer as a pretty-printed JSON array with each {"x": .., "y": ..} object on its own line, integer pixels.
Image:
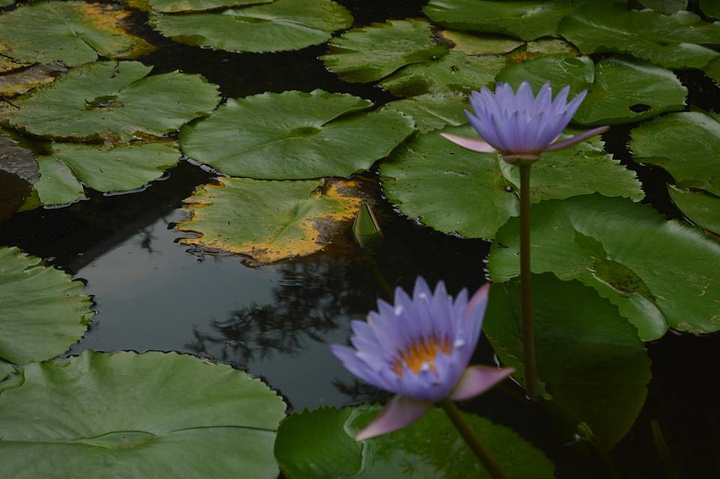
[{"x": 310, "y": 301}]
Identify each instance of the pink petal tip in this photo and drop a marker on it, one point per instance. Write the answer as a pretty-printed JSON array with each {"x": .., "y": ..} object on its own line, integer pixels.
[
  {"x": 478, "y": 379},
  {"x": 473, "y": 144},
  {"x": 401, "y": 411}
]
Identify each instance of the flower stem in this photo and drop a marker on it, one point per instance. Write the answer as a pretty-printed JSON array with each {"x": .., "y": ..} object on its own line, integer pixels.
[
  {"x": 531, "y": 379},
  {"x": 487, "y": 460}
]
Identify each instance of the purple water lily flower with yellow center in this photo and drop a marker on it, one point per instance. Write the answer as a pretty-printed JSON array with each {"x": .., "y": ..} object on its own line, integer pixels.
[
  {"x": 520, "y": 126},
  {"x": 419, "y": 349}
]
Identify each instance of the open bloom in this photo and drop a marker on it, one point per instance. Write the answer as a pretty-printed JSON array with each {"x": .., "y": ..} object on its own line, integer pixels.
[
  {"x": 520, "y": 126},
  {"x": 419, "y": 349}
]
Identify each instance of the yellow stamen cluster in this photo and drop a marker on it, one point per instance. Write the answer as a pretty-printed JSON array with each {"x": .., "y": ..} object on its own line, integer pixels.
[{"x": 423, "y": 350}]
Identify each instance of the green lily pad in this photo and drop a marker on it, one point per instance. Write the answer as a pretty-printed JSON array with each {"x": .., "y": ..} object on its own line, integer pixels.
[
  {"x": 69, "y": 32},
  {"x": 701, "y": 207},
  {"x": 619, "y": 91},
  {"x": 593, "y": 366},
  {"x": 670, "y": 281},
  {"x": 420, "y": 450},
  {"x": 44, "y": 310},
  {"x": 458, "y": 191},
  {"x": 18, "y": 172},
  {"x": 277, "y": 26},
  {"x": 113, "y": 101},
  {"x": 686, "y": 144},
  {"x": 672, "y": 41},
  {"x": 269, "y": 221},
  {"x": 481, "y": 44},
  {"x": 20, "y": 81},
  {"x": 711, "y": 8},
  {"x": 295, "y": 135},
  {"x": 434, "y": 110},
  {"x": 171, "y": 6},
  {"x": 527, "y": 20},
  {"x": 371, "y": 53},
  {"x": 6, "y": 3},
  {"x": 137, "y": 416},
  {"x": 5, "y": 369},
  {"x": 453, "y": 72},
  {"x": 667, "y": 7},
  {"x": 107, "y": 169}
]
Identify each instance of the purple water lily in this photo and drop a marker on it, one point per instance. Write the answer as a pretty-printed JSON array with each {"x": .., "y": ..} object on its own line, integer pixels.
[
  {"x": 520, "y": 126},
  {"x": 419, "y": 349}
]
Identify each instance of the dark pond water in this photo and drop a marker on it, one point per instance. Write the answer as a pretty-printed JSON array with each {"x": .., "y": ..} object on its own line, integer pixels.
[{"x": 276, "y": 321}]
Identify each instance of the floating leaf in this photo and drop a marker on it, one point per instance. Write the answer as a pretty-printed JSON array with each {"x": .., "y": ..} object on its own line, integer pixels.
[
  {"x": 269, "y": 221},
  {"x": 527, "y": 20},
  {"x": 420, "y": 450},
  {"x": 277, "y": 26},
  {"x": 454, "y": 72},
  {"x": 137, "y": 416},
  {"x": 672, "y": 280},
  {"x": 44, "y": 311},
  {"x": 590, "y": 360},
  {"x": 667, "y": 7},
  {"x": 433, "y": 110},
  {"x": 21, "y": 81},
  {"x": 459, "y": 191},
  {"x": 106, "y": 169},
  {"x": 295, "y": 135},
  {"x": 366, "y": 228},
  {"x": 18, "y": 172},
  {"x": 701, "y": 207},
  {"x": 481, "y": 44},
  {"x": 371, "y": 53},
  {"x": 672, "y": 41},
  {"x": 5, "y": 369},
  {"x": 113, "y": 101},
  {"x": 70, "y": 32},
  {"x": 6, "y": 3},
  {"x": 170, "y": 6},
  {"x": 619, "y": 91},
  {"x": 686, "y": 144}
]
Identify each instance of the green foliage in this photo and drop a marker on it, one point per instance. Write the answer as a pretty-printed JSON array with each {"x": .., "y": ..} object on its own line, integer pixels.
[
  {"x": 667, "y": 7},
  {"x": 108, "y": 169},
  {"x": 320, "y": 444},
  {"x": 113, "y": 101},
  {"x": 701, "y": 207},
  {"x": 671, "y": 41},
  {"x": 527, "y": 20},
  {"x": 277, "y": 26},
  {"x": 458, "y": 191},
  {"x": 671, "y": 280},
  {"x": 87, "y": 31},
  {"x": 592, "y": 365},
  {"x": 44, "y": 310},
  {"x": 295, "y": 135},
  {"x": 711, "y": 8},
  {"x": 137, "y": 416},
  {"x": 434, "y": 110}
]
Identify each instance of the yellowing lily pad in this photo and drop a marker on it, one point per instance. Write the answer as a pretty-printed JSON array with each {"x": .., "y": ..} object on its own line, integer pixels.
[
  {"x": 278, "y": 26},
  {"x": 270, "y": 221},
  {"x": 169, "y": 6},
  {"x": 20, "y": 81},
  {"x": 69, "y": 32},
  {"x": 113, "y": 101}
]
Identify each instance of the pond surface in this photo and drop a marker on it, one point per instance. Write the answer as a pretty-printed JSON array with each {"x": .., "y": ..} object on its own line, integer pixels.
[{"x": 152, "y": 293}]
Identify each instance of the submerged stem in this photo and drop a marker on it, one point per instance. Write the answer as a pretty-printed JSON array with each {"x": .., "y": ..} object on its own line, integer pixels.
[
  {"x": 487, "y": 459},
  {"x": 531, "y": 380}
]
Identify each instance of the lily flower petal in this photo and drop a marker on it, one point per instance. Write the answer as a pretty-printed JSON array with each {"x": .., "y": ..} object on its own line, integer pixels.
[
  {"x": 473, "y": 144},
  {"x": 478, "y": 379},
  {"x": 401, "y": 411},
  {"x": 577, "y": 138}
]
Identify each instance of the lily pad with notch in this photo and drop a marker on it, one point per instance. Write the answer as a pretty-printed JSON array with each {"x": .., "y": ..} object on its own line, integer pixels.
[
  {"x": 295, "y": 135},
  {"x": 104, "y": 415},
  {"x": 417, "y": 451},
  {"x": 70, "y": 32},
  {"x": 112, "y": 101},
  {"x": 269, "y": 221},
  {"x": 44, "y": 310},
  {"x": 603, "y": 242},
  {"x": 593, "y": 367},
  {"x": 672, "y": 41},
  {"x": 278, "y": 26},
  {"x": 454, "y": 190}
]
